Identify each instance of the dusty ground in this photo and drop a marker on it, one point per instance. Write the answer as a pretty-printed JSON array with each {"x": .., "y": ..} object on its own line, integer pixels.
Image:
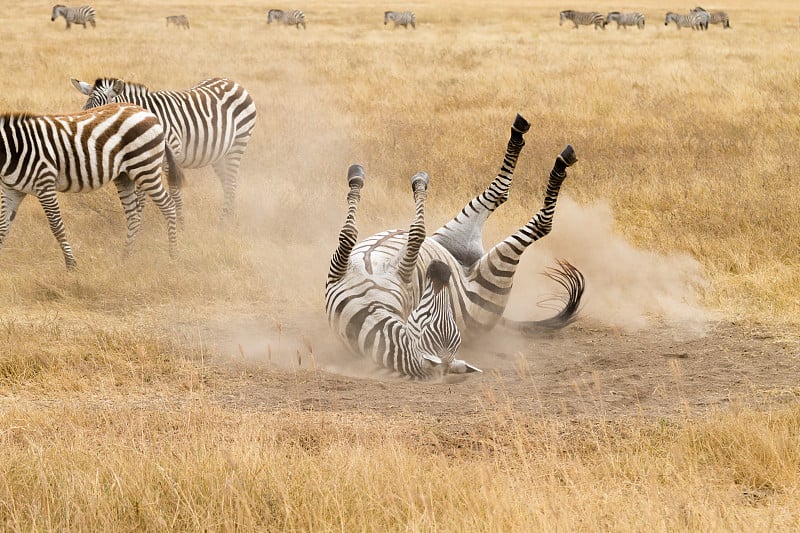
[{"x": 581, "y": 371}]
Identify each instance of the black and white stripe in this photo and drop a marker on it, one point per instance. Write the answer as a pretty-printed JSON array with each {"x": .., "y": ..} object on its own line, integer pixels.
[
  {"x": 74, "y": 15},
  {"x": 209, "y": 124},
  {"x": 400, "y": 18},
  {"x": 294, "y": 17},
  {"x": 582, "y": 18},
  {"x": 384, "y": 294},
  {"x": 715, "y": 17},
  {"x": 42, "y": 155},
  {"x": 696, "y": 21},
  {"x": 625, "y": 19},
  {"x": 179, "y": 21}
]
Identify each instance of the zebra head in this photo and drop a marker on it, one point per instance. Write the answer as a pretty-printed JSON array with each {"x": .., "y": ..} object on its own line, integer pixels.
[
  {"x": 670, "y": 18},
  {"x": 57, "y": 12},
  {"x": 432, "y": 327},
  {"x": 274, "y": 14},
  {"x": 103, "y": 92}
]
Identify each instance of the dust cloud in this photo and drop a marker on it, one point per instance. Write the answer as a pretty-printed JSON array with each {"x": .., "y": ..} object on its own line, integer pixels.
[{"x": 626, "y": 287}]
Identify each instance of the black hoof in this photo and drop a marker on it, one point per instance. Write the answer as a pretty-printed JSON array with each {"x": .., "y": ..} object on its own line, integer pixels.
[
  {"x": 355, "y": 176},
  {"x": 568, "y": 155},
  {"x": 520, "y": 124}
]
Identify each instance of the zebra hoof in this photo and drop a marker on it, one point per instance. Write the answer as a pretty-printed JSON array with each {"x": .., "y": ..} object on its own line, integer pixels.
[
  {"x": 568, "y": 155},
  {"x": 520, "y": 124},
  {"x": 420, "y": 181},
  {"x": 355, "y": 176}
]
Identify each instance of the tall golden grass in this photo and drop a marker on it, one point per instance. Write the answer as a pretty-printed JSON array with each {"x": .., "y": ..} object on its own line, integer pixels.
[{"x": 105, "y": 418}]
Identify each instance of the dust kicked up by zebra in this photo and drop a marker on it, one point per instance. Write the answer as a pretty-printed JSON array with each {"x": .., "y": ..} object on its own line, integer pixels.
[
  {"x": 294, "y": 17},
  {"x": 400, "y": 18},
  {"x": 715, "y": 17},
  {"x": 209, "y": 124},
  {"x": 696, "y": 20},
  {"x": 403, "y": 299},
  {"x": 74, "y": 15},
  {"x": 582, "y": 18},
  {"x": 42, "y": 155},
  {"x": 624, "y": 20}
]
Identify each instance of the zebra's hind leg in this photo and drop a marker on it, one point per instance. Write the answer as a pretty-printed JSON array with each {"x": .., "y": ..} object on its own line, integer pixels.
[
  {"x": 9, "y": 204},
  {"x": 46, "y": 192},
  {"x": 227, "y": 170},
  {"x": 132, "y": 199},
  {"x": 416, "y": 233},
  {"x": 492, "y": 278},
  {"x": 151, "y": 184},
  {"x": 462, "y": 235},
  {"x": 349, "y": 232}
]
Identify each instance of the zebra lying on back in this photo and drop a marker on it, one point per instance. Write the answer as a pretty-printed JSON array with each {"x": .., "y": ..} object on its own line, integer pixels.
[
  {"x": 400, "y": 18},
  {"x": 180, "y": 21},
  {"x": 715, "y": 17},
  {"x": 74, "y": 15},
  {"x": 294, "y": 18},
  {"x": 209, "y": 124},
  {"x": 583, "y": 18},
  {"x": 696, "y": 21},
  {"x": 625, "y": 19},
  {"x": 45, "y": 154},
  {"x": 403, "y": 299}
]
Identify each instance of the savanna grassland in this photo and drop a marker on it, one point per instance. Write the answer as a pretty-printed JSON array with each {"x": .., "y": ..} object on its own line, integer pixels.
[{"x": 205, "y": 393}]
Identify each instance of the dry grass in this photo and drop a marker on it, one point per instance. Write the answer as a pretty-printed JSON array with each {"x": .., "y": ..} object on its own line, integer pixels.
[{"x": 690, "y": 138}]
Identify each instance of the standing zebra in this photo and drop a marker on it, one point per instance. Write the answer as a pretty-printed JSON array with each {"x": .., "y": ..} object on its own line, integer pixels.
[
  {"x": 209, "y": 124},
  {"x": 715, "y": 17},
  {"x": 179, "y": 21},
  {"x": 45, "y": 154},
  {"x": 626, "y": 19},
  {"x": 74, "y": 15},
  {"x": 696, "y": 21},
  {"x": 402, "y": 299},
  {"x": 294, "y": 18},
  {"x": 582, "y": 18},
  {"x": 400, "y": 18}
]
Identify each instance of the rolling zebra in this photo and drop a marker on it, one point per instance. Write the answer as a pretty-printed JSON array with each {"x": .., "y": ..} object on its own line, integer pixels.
[
  {"x": 74, "y": 15},
  {"x": 294, "y": 18},
  {"x": 582, "y": 18},
  {"x": 403, "y": 299},
  {"x": 400, "y": 18},
  {"x": 696, "y": 21},
  {"x": 179, "y": 21},
  {"x": 715, "y": 17},
  {"x": 626, "y": 19},
  {"x": 45, "y": 154},
  {"x": 209, "y": 124}
]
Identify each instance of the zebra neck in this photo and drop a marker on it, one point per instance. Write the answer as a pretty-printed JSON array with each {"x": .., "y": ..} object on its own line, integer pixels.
[{"x": 137, "y": 94}]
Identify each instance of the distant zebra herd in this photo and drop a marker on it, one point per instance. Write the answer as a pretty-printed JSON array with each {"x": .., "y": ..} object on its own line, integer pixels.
[{"x": 697, "y": 19}]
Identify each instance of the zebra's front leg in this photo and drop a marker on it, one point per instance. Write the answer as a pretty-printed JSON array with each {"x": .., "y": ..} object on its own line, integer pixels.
[
  {"x": 8, "y": 211},
  {"x": 416, "y": 233},
  {"x": 227, "y": 171},
  {"x": 46, "y": 192},
  {"x": 349, "y": 232},
  {"x": 129, "y": 195}
]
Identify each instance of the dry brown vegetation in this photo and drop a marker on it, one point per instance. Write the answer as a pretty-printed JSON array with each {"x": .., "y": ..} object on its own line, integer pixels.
[{"x": 129, "y": 390}]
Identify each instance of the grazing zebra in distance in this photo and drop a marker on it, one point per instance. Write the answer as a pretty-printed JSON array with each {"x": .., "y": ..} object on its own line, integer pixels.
[
  {"x": 74, "y": 15},
  {"x": 209, "y": 124},
  {"x": 45, "y": 154},
  {"x": 715, "y": 17},
  {"x": 294, "y": 18},
  {"x": 696, "y": 21},
  {"x": 582, "y": 18},
  {"x": 625, "y": 19},
  {"x": 403, "y": 299},
  {"x": 179, "y": 21},
  {"x": 400, "y": 18}
]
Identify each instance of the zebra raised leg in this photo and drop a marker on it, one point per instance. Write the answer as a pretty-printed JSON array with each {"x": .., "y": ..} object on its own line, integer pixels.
[{"x": 349, "y": 232}]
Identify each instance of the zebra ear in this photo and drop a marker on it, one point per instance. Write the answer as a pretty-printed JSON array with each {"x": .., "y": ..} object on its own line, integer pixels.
[
  {"x": 116, "y": 88},
  {"x": 82, "y": 86}
]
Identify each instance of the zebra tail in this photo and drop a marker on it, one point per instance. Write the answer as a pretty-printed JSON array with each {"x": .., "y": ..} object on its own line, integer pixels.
[
  {"x": 572, "y": 281},
  {"x": 175, "y": 177}
]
